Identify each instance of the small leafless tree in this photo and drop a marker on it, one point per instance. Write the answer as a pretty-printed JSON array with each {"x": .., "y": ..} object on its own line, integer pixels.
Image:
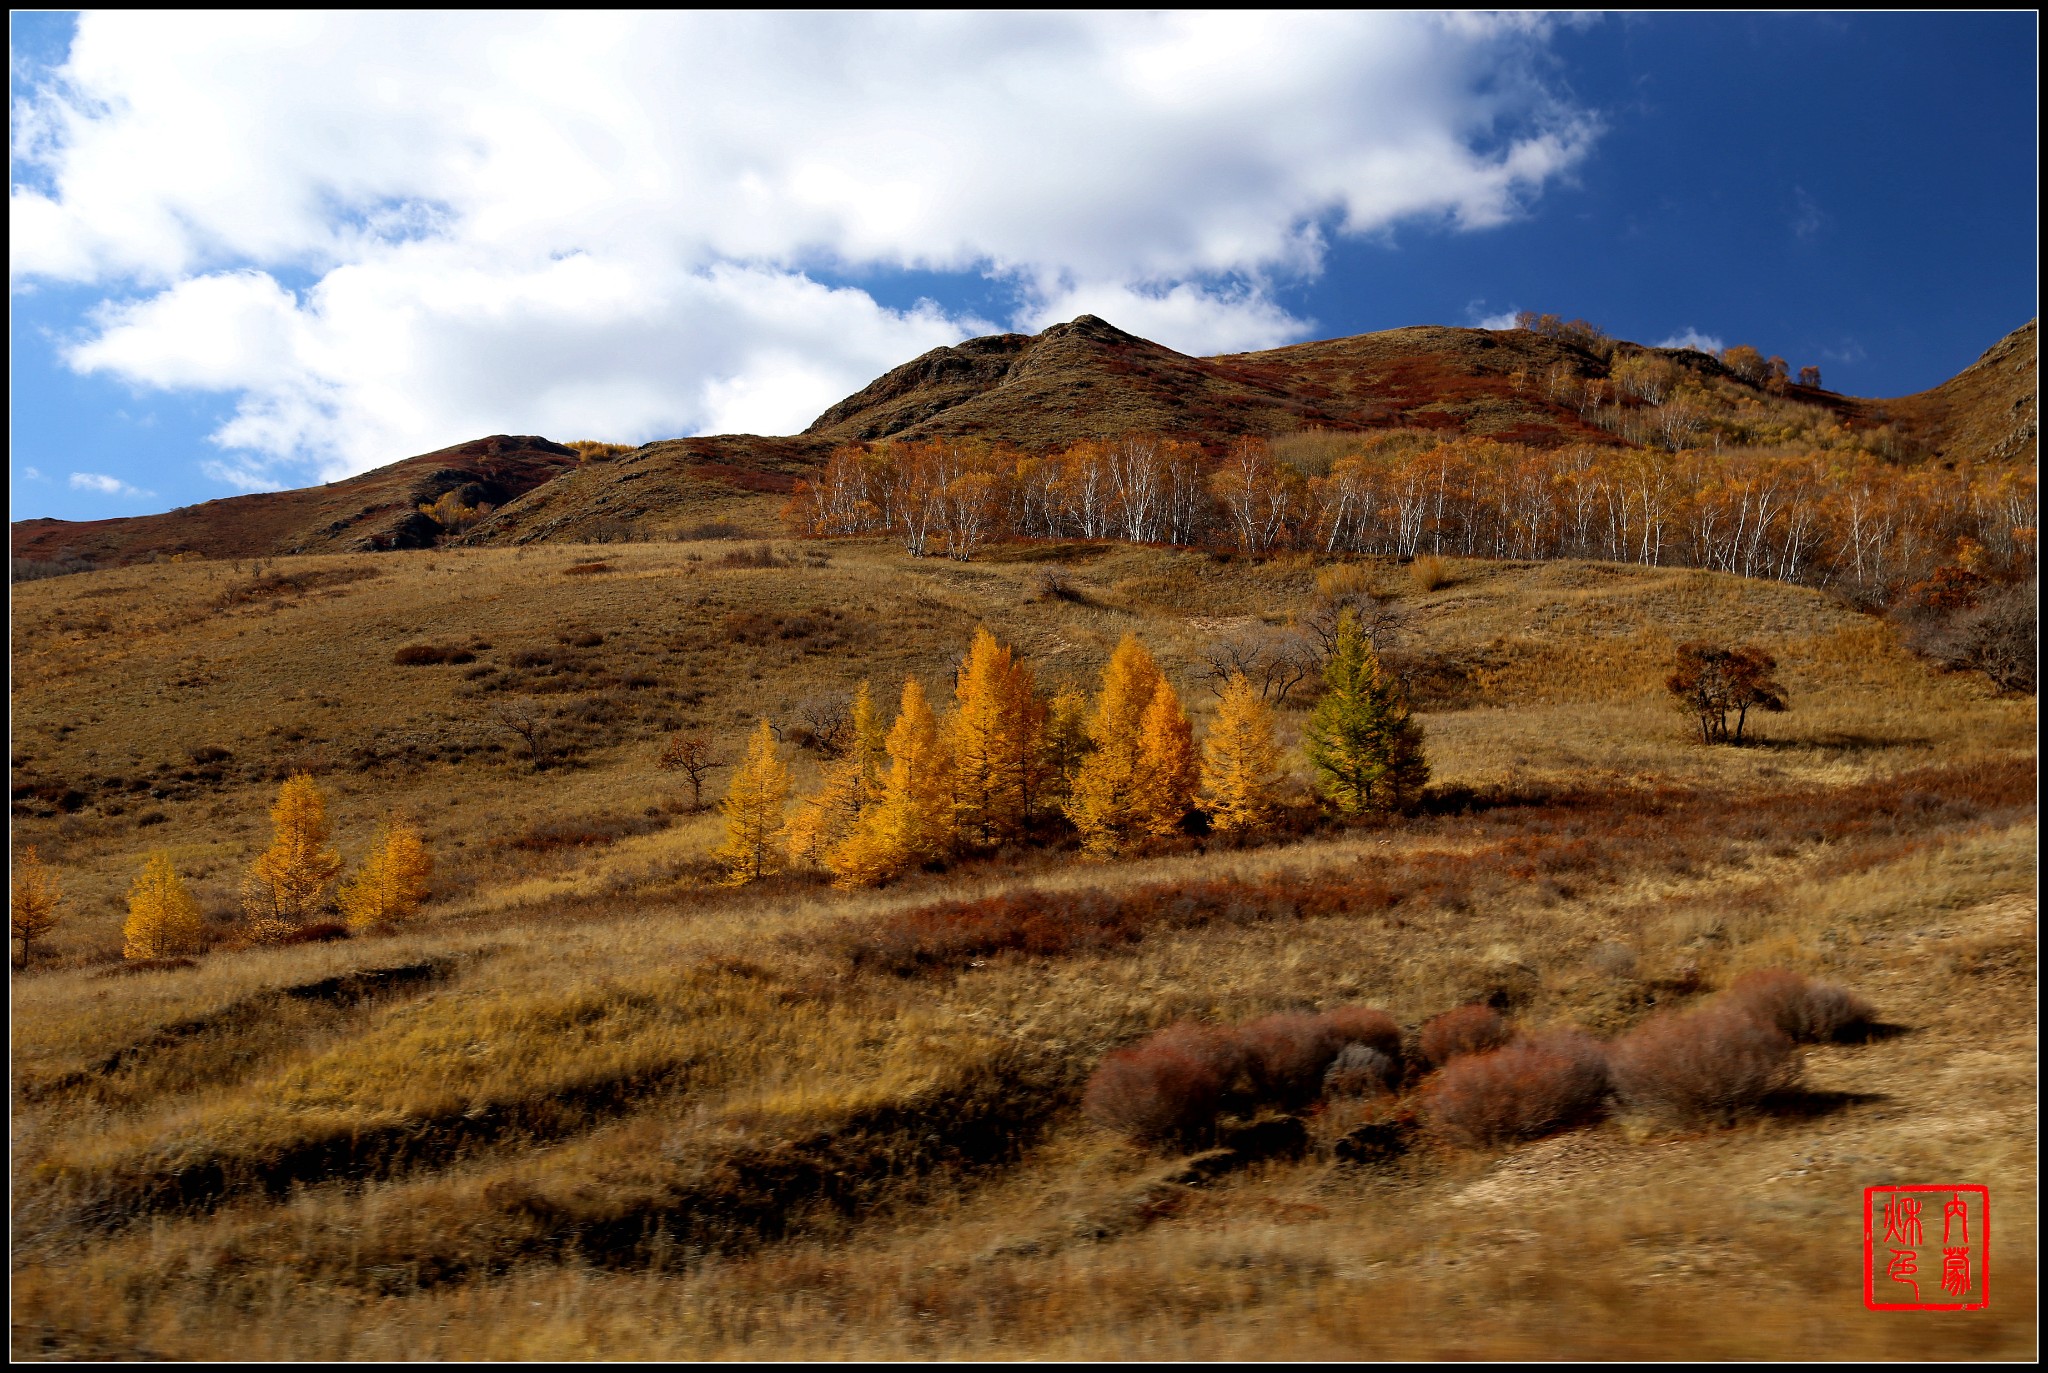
[
  {"x": 1274, "y": 661},
  {"x": 692, "y": 756},
  {"x": 1381, "y": 621},
  {"x": 824, "y": 723},
  {"x": 529, "y": 721}
]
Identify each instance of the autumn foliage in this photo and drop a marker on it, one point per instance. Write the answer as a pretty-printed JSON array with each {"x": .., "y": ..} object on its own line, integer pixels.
[
  {"x": 391, "y": 886},
  {"x": 33, "y": 902},
  {"x": 1809, "y": 1012},
  {"x": 1529, "y": 1087},
  {"x": 288, "y": 882},
  {"x": 1751, "y": 501},
  {"x": 754, "y": 812},
  {"x": 1709, "y": 1065},
  {"x": 1465, "y": 1030},
  {"x": 163, "y": 920},
  {"x": 1171, "y": 1086}
]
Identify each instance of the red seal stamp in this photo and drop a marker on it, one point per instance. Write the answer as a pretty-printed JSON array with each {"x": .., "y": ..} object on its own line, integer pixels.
[{"x": 1926, "y": 1248}]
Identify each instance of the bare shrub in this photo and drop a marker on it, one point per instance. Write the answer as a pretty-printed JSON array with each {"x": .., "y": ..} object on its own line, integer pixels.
[
  {"x": 431, "y": 655},
  {"x": 1709, "y": 1065},
  {"x": 754, "y": 555},
  {"x": 586, "y": 569},
  {"x": 1532, "y": 1087},
  {"x": 1053, "y": 584},
  {"x": 1288, "y": 1053},
  {"x": 1807, "y": 1011},
  {"x": 1166, "y": 1088},
  {"x": 1466, "y": 1030},
  {"x": 1360, "y": 1070}
]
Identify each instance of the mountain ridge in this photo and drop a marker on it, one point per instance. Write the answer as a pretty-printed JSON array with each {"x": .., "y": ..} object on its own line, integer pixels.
[{"x": 1082, "y": 379}]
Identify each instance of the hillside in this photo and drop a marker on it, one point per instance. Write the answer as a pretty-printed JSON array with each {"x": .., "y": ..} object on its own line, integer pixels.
[
  {"x": 1988, "y": 412},
  {"x": 1089, "y": 379},
  {"x": 377, "y": 510},
  {"x": 594, "y": 1105},
  {"x": 1042, "y": 392}
]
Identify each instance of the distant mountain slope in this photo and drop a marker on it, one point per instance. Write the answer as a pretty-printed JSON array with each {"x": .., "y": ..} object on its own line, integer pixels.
[
  {"x": 1988, "y": 412},
  {"x": 378, "y": 509},
  {"x": 673, "y": 484},
  {"x": 1090, "y": 379},
  {"x": 1042, "y": 391}
]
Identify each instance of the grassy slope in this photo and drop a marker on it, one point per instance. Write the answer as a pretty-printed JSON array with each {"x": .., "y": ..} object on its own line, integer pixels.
[{"x": 616, "y": 1113}]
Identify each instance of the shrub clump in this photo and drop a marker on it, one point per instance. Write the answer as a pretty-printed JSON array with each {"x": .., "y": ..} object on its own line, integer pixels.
[
  {"x": 1471, "y": 1029},
  {"x": 1708, "y": 1066},
  {"x": 1168, "y": 1087},
  {"x": 431, "y": 655},
  {"x": 1172, "y": 1086},
  {"x": 1531, "y": 1087},
  {"x": 1806, "y": 1011}
]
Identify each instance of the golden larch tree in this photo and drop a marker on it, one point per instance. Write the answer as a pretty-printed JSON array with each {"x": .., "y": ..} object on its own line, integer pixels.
[
  {"x": 286, "y": 883},
  {"x": 1063, "y": 743},
  {"x": 35, "y": 899},
  {"x": 1240, "y": 760},
  {"x": 995, "y": 737},
  {"x": 1102, "y": 801},
  {"x": 848, "y": 787},
  {"x": 913, "y": 821},
  {"x": 392, "y": 883},
  {"x": 163, "y": 919},
  {"x": 1169, "y": 770},
  {"x": 753, "y": 808}
]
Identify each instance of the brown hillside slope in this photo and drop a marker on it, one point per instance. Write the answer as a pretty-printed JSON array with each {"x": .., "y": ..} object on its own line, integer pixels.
[
  {"x": 376, "y": 510},
  {"x": 1988, "y": 412},
  {"x": 1089, "y": 379},
  {"x": 737, "y": 480}
]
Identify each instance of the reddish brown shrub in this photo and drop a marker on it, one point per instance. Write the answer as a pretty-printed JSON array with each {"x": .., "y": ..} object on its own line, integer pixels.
[
  {"x": 430, "y": 655},
  {"x": 1288, "y": 1053},
  {"x": 1708, "y": 1065},
  {"x": 1466, "y": 1030},
  {"x": 1806, "y": 1010},
  {"x": 1166, "y": 1088},
  {"x": 1532, "y": 1087}
]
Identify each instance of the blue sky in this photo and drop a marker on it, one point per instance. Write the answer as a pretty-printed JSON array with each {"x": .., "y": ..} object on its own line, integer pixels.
[{"x": 260, "y": 252}]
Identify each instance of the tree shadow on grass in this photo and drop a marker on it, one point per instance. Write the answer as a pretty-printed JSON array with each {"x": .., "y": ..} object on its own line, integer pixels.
[{"x": 1805, "y": 1104}]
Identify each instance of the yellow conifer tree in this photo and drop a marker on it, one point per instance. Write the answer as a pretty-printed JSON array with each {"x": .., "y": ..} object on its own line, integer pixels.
[
  {"x": 1169, "y": 771},
  {"x": 850, "y": 786},
  {"x": 1063, "y": 743},
  {"x": 1240, "y": 760},
  {"x": 753, "y": 806},
  {"x": 913, "y": 821},
  {"x": 1102, "y": 801},
  {"x": 392, "y": 883},
  {"x": 35, "y": 898},
  {"x": 996, "y": 738},
  {"x": 287, "y": 881},
  {"x": 163, "y": 920}
]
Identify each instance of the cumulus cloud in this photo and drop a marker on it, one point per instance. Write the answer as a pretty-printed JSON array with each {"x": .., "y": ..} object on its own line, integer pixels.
[
  {"x": 105, "y": 485},
  {"x": 1695, "y": 340},
  {"x": 385, "y": 232}
]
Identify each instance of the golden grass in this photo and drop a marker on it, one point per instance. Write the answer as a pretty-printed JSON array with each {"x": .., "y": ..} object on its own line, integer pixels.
[{"x": 632, "y": 1116}]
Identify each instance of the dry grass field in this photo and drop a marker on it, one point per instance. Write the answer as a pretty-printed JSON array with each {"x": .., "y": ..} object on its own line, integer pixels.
[{"x": 593, "y": 1105}]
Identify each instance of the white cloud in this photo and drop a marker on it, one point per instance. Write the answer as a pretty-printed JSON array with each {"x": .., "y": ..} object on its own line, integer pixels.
[
  {"x": 1500, "y": 319},
  {"x": 1695, "y": 340},
  {"x": 106, "y": 486},
  {"x": 32, "y": 473},
  {"x": 616, "y": 225}
]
